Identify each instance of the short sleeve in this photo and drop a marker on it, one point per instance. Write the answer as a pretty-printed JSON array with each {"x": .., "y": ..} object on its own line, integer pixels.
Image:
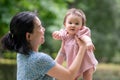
[
  {"x": 63, "y": 34},
  {"x": 44, "y": 63},
  {"x": 34, "y": 66}
]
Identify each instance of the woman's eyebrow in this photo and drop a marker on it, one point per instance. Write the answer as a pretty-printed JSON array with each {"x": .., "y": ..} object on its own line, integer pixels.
[{"x": 38, "y": 25}]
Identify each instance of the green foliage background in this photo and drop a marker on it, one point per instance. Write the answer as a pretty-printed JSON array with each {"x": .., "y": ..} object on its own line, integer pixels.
[{"x": 102, "y": 18}]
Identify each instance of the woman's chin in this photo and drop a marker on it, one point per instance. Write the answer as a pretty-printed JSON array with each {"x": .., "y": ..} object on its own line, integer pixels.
[{"x": 43, "y": 42}]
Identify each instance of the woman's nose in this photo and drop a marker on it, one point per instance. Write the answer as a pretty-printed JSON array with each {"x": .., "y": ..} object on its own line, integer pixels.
[{"x": 43, "y": 28}]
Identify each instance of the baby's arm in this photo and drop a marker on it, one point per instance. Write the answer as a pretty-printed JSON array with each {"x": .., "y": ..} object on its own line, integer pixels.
[
  {"x": 84, "y": 34},
  {"x": 56, "y": 35},
  {"x": 88, "y": 41}
]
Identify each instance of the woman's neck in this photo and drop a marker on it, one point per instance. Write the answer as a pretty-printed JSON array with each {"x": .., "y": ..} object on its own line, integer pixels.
[{"x": 35, "y": 48}]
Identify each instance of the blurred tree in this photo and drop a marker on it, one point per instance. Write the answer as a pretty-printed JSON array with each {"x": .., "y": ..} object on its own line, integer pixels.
[
  {"x": 50, "y": 12},
  {"x": 103, "y": 20}
]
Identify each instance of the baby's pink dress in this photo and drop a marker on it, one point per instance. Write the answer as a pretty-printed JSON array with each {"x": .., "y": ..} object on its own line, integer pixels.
[{"x": 70, "y": 49}]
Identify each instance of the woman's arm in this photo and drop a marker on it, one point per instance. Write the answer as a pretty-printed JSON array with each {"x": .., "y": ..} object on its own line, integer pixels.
[
  {"x": 60, "y": 57},
  {"x": 88, "y": 41},
  {"x": 61, "y": 73},
  {"x": 61, "y": 54}
]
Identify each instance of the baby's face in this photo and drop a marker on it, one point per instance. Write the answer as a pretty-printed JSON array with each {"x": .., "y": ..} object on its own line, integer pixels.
[{"x": 73, "y": 24}]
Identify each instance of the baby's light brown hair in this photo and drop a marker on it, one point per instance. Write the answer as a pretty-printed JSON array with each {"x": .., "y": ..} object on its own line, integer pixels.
[{"x": 77, "y": 12}]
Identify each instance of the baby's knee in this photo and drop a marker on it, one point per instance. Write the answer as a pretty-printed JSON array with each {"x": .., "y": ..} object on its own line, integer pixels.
[{"x": 87, "y": 75}]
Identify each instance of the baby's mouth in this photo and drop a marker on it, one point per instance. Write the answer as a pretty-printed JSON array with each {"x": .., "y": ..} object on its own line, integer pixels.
[{"x": 72, "y": 29}]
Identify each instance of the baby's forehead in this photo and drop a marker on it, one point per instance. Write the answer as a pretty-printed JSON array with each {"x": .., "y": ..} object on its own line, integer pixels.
[
  {"x": 78, "y": 14},
  {"x": 74, "y": 15},
  {"x": 75, "y": 12},
  {"x": 74, "y": 18}
]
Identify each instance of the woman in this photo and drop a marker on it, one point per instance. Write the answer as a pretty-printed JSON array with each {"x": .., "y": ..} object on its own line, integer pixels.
[{"x": 25, "y": 36}]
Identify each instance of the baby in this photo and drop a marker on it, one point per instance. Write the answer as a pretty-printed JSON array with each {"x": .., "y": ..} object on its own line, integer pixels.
[{"x": 74, "y": 23}]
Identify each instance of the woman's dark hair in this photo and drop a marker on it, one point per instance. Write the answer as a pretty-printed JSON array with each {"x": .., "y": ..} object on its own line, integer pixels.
[{"x": 15, "y": 39}]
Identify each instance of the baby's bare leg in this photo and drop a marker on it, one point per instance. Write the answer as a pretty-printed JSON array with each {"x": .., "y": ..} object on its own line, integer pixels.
[{"x": 87, "y": 75}]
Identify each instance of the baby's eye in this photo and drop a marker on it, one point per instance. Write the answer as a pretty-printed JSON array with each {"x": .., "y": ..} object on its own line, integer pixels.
[
  {"x": 77, "y": 23},
  {"x": 70, "y": 22}
]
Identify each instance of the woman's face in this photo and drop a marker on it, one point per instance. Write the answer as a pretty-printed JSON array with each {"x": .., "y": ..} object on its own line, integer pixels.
[{"x": 37, "y": 37}]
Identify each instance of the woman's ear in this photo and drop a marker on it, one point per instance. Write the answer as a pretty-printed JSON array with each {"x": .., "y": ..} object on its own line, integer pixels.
[{"x": 28, "y": 36}]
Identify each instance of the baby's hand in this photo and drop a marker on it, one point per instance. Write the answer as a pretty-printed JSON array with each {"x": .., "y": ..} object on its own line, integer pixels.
[
  {"x": 56, "y": 35},
  {"x": 90, "y": 46}
]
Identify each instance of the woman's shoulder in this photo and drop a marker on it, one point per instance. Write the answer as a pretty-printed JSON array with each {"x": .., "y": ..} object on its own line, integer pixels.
[
  {"x": 34, "y": 57},
  {"x": 43, "y": 60},
  {"x": 40, "y": 56}
]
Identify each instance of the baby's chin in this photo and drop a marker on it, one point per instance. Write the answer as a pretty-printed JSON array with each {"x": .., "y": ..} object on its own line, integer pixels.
[{"x": 72, "y": 33}]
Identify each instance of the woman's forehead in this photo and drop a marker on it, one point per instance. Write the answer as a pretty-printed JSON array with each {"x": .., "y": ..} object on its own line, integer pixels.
[{"x": 37, "y": 21}]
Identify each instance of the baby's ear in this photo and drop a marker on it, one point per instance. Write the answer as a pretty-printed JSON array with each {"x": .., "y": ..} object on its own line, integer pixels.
[
  {"x": 28, "y": 36},
  {"x": 64, "y": 25}
]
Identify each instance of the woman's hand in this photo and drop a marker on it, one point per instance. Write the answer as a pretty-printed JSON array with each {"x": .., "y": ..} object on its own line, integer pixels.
[
  {"x": 80, "y": 42},
  {"x": 90, "y": 46}
]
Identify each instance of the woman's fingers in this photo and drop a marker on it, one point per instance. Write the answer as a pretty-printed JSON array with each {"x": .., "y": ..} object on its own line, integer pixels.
[{"x": 79, "y": 41}]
